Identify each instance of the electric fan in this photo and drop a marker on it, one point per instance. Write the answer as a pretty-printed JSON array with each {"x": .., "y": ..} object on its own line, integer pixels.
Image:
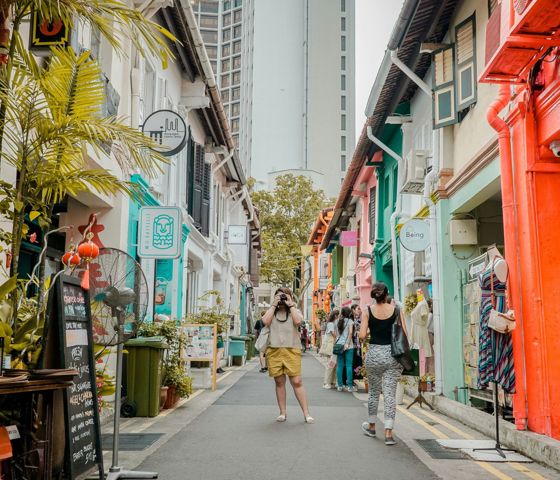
[{"x": 119, "y": 301}]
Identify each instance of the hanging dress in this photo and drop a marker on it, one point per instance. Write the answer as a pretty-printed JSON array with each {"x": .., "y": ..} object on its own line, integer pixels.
[{"x": 495, "y": 360}]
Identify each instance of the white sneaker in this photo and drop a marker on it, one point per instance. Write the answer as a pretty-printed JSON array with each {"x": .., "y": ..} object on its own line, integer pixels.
[
  {"x": 339, "y": 389},
  {"x": 351, "y": 389},
  {"x": 326, "y": 386}
]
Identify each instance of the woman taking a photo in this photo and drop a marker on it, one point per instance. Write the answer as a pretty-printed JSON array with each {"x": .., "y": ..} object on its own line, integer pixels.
[
  {"x": 327, "y": 345},
  {"x": 383, "y": 371},
  {"x": 283, "y": 354},
  {"x": 345, "y": 353}
]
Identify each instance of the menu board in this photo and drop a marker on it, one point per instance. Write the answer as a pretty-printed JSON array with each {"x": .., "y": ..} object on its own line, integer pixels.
[{"x": 83, "y": 439}]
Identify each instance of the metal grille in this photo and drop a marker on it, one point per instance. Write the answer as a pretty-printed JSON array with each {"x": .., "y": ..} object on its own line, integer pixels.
[
  {"x": 435, "y": 450},
  {"x": 131, "y": 442}
]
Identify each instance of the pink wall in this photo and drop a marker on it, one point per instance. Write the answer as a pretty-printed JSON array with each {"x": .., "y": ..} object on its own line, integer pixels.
[{"x": 363, "y": 267}]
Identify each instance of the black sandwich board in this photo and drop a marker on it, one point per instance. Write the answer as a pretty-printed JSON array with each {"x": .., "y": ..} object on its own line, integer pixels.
[{"x": 74, "y": 327}]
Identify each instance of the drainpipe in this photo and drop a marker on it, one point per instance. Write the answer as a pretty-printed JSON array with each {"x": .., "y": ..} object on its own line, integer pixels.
[
  {"x": 431, "y": 177},
  {"x": 396, "y": 213},
  {"x": 511, "y": 234}
]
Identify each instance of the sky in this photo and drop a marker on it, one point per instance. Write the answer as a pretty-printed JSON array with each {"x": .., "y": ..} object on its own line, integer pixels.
[{"x": 374, "y": 24}]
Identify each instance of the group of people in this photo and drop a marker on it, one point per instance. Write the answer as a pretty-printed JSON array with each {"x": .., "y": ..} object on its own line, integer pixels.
[{"x": 347, "y": 328}]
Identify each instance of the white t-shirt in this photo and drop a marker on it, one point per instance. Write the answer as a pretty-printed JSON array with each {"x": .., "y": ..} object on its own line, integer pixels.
[{"x": 330, "y": 327}]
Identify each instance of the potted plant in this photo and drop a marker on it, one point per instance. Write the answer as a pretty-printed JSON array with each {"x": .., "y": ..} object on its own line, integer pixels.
[
  {"x": 426, "y": 382},
  {"x": 410, "y": 302},
  {"x": 178, "y": 385}
]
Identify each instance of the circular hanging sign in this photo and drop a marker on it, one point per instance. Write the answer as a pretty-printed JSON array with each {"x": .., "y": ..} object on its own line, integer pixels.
[
  {"x": 168, "y": 129},
  {"x": 415, "y": 235}
]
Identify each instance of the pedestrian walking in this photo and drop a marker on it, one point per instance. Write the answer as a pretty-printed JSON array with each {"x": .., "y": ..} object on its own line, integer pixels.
[
  {"x": 258, "y": 327},
  {"x": 283, "y": 354},
  {"x": 383, "y": 371},
  {"x": 344, "y": 349},
  {"x": 327, "y": 345},
  {"x": 357, "y": 317}
]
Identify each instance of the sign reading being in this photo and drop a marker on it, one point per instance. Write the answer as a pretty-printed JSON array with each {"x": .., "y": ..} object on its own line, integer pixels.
[
  {"x": 415, "y": 235},
  {"x": 159, "y": 232},
  {"x": 168, "y": 129}
]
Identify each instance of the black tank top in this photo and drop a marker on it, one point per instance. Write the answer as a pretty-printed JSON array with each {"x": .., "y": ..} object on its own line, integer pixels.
[{"x": 380, "y": 330}]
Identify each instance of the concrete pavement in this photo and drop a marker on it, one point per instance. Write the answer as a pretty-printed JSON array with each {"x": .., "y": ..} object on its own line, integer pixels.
[{"x": 232, "y": 433}]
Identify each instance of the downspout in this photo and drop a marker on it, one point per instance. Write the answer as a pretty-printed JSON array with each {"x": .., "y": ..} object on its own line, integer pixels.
[
  {"x": 511, "y": 234},
  {"x": 431, "y": 177},
  {"x": 396, "y": 213}
]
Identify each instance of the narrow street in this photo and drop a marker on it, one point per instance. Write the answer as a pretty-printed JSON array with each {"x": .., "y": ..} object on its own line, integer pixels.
[{"x": 237, "y": 437}]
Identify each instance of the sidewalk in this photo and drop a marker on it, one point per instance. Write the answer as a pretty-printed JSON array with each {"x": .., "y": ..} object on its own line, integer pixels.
[{"x": 231, "y": 433}]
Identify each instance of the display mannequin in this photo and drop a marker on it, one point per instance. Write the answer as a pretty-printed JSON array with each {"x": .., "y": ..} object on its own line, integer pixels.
[
  {"x": 500, "y": 265},
  {"x": 420, "y": 317}
]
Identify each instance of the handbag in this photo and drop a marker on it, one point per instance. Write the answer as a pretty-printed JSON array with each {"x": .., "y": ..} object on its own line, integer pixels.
[
  {"x": 264, "y": 340},
  {"x": 338, "y": 348},
  {"x": 326, "y": 349},
  {"x": 400, "y": 348},
  {"x": 500, "y": 322}
]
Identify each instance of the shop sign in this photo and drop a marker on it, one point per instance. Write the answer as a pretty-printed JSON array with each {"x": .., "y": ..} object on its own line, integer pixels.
[
  {"x": 415, "y": 235},
  {"x": 159, "y": 232},
  {"x": 476, "y": 266},
  {"x": 46, "y": 35},
  {"x": 237, "y": 235},
  {"x": 349, "y": 239},
  {"x": 168, "y": 129}
]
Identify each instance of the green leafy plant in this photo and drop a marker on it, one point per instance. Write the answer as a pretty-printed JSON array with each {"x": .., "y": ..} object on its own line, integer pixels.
[
  {"x": 410, "y": 302},
  {"x": 321, "y": 314},
  {"x": 211, "y": 310}
]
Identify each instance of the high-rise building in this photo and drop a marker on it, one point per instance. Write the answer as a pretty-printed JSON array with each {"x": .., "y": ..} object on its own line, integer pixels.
[
  {"x": 227, "y": 30},
  {"x": 303, "y": 90}
]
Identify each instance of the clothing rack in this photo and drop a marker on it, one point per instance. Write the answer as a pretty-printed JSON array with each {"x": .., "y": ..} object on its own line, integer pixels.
[{"x": 498, "y": 447}]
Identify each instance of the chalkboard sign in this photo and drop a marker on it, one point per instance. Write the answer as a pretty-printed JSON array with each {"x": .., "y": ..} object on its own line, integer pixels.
[{"x": 83, "y": 434}]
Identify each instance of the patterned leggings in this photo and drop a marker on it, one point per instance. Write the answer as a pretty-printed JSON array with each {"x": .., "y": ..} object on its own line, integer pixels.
[{"x": 383, "y": 372}]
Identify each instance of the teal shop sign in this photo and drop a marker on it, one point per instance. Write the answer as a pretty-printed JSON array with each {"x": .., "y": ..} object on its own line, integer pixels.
[{"x": 159, "y": 232}]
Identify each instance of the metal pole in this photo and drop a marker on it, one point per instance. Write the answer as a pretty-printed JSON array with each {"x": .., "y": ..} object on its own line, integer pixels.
[{"x": 117, "y": 414}]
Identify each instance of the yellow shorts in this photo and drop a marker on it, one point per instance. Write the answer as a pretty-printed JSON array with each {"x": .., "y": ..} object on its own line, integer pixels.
[{"x": 283, "y": 361}]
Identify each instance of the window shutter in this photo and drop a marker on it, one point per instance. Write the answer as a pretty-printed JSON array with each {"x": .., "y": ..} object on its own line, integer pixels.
[
  {"x": 190, "y": 175},
  {"x": 444, "y": 111},
  {"x": 466, "y": 63},
  {"x": 205, "y": 206},
  {"x": 372, "y": 194},
  {"x": 197, "y": 185}
]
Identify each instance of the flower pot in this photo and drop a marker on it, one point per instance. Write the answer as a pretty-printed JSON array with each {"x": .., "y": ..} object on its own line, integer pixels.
[
  {"x": 162, "y": 396},
  {"x": 366, "y": 387},
  {"x": 172, "y": 397},
  {"x": 423, "y": 386},
  {"x": 400, "y": 393}
]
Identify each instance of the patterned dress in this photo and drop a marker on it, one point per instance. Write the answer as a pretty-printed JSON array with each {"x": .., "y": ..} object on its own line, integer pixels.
[{"x": 495, "y": 361}]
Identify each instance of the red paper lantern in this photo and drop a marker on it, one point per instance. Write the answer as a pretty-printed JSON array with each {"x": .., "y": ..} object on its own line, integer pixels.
[
  {"x": 88, "y": 251},
  {"x": 71, "y": 259}
]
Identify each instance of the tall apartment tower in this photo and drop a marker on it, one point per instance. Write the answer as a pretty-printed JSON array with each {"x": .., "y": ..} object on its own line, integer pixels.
[
  {"x": 303, "y": 90},
  {"x": 227, "y": 30}
]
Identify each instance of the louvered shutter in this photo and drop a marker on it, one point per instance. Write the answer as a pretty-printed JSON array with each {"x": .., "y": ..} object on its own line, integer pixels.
[
  {"x": 205, "y": 206},
  {"x": 371, "y": 212},
  {"x": 444, "y": 111},
  {"x": 197, "y": 185},
  {"x": 190, "y": 174},
  {"x": 465, "y": 45}
]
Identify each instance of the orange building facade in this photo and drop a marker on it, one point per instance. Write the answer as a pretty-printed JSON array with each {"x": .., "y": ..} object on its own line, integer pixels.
[{"x": 523, "y": 56}]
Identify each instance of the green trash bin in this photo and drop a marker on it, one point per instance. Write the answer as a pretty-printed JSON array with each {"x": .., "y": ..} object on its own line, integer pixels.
[
  {"x": 251, "y": 346},
  {"x": 237, "y": 356},
  {"x": 144, "y": 362}
]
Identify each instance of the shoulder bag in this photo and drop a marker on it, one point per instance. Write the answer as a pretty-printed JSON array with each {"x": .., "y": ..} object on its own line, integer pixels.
[
  {"x": 263, "y": 341},
  {"x": 500, "y": 322},
  {"x": 327, "y": 345},
  {"x": 338, "y": 348},
  {"x": 400, "y": 348}
]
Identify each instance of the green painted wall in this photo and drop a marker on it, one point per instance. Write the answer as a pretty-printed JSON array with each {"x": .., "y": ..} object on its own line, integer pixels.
[
  {"x": 453, "y": 268},
  {"x": 337, "y": 264}
]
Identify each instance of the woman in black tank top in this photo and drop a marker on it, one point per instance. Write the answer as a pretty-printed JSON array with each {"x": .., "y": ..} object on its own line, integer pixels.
[{"x": 383, "y": 371}]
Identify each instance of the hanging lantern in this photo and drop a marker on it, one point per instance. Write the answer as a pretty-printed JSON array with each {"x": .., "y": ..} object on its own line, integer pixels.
[
  {"x": 71, "y": 258},
  {"x": 88, "y": 251}
]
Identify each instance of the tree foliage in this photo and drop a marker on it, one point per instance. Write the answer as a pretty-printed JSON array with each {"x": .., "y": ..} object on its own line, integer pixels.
[{"x": 287, "y": 214}]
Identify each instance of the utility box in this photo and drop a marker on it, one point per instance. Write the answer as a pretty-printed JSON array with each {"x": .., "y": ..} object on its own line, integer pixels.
[{"x": 463, "y": 232}]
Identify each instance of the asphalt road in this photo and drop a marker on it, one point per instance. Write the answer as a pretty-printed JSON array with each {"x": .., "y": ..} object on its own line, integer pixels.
[{"x": 238, "y": 438}]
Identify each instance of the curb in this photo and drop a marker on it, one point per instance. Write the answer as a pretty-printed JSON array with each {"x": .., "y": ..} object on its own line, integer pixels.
[{"x": 540, "y": 448}]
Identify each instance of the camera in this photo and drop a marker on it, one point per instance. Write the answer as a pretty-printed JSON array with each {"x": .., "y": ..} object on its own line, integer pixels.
[
  {"x": 555, "y": 147},
  {"x": 283, "y": 298}
]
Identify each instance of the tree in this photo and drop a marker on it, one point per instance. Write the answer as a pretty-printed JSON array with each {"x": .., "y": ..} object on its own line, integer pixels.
[
  {"x": 287, "y": 214},
  {"x": 51, "y": 115}
]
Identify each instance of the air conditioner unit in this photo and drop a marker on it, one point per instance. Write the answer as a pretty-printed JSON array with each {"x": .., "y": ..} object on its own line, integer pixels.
[
  {"x": 517, "y": 34},
  {"x": 415, "y": 172}
]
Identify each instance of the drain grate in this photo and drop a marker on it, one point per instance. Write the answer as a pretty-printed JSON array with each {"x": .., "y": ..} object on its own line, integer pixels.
[
  {"x": 131, "y": 442},
  {"x": 435, "y": 450}
]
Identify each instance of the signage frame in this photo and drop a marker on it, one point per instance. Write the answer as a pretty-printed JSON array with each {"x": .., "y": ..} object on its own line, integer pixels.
[
  {"x": 237, "y": 235},
  {"x": 213, "y": 358},
  {"x": 410, "y": 244},
  {"x": 145, "y": 248},
  {"x": 154, "y": 134}
]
